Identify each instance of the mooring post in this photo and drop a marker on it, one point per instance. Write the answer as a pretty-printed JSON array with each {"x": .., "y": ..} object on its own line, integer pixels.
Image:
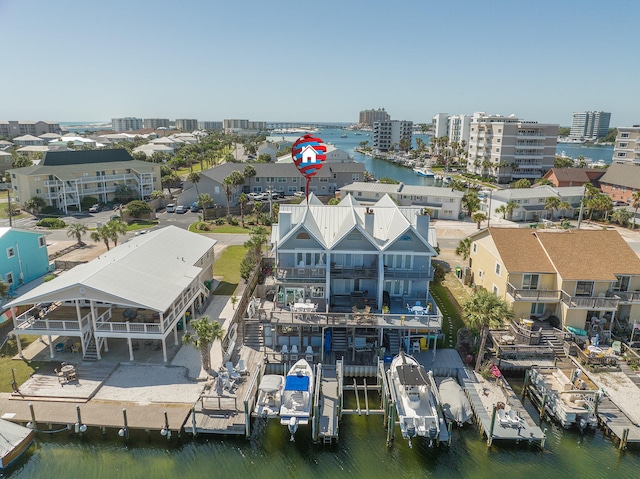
[
  {"x": 124, "y": 432},
  {"x": 623, "y": 440},
  {"x": 14, "y": 384},
  {"x": 391, "y": 424},
  {"x": 526, "y": 385},
  {"x": 165, "y": 429},
  {"x": 450, "y": 429},
  {"x": 193, "y": 421},
  {"x": 542, "y": 406},
  {"x": 80, "y": 428},
  {"x": 493, "y": 420},
  {"x": 33, "y": 417},
  {"x": 544, "y": 438}
]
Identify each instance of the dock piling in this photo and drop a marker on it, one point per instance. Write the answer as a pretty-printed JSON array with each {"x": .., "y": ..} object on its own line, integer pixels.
[
  {"x": 33, "y": 417},
  {"x": 165, "y": 431},
  {"x": 79, "y": 427},
  {"x": 493, "y": 421},
  {"x": 124, "y": 432}
]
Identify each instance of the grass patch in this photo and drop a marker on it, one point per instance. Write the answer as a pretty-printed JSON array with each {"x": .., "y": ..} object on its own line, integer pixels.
[
  {"x": 228, "y": 264},
  {"x": 23, "y": 368},
  {"x": 141, "y": 225},
  {"x": 450, "y": 305}
]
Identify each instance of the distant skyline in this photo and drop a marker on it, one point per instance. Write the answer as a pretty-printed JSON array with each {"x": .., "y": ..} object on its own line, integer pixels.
[{"x": 325, "y": 61}]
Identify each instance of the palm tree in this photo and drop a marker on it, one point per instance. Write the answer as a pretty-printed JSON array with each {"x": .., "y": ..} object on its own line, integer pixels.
[
  {"x": 204, "y": 201},
  {"x": 116, "y": 229},
  {"x": 206, "y": 332},
  {"x": 479, "y": 217},
  {"x": 482, "y": 311},
  {"x": 564, "y": 206},
  {"x": 621, "y": 216},
  {"x": 103, "y": 234},
  {"x": 4, "y": 289},
  {"x": 194, "y": 178},
  {"x": 78, "y": 230},
  {"x": 464, "y": 249},
  {"x": 227, "y": 191},
  {"x": 510, "y": 206},
  {"x": 470, "y": 202},
  {"x": 257, "y": 209},
  {"x": 552, "y": 203},
  {"x": 635, "y": 204},
  {"x": 502, "y": 209},
  {"x": 242, "y": 199},
  {"x": 35, "y": 204}
]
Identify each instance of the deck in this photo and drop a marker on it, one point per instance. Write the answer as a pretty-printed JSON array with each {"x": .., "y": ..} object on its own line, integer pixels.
[{"x": 329, "y": 405}]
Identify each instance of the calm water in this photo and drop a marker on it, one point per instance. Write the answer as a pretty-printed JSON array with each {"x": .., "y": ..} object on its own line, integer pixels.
[
  {"x": 595, "y": 153},
  {"x": 361, "y": 453}
]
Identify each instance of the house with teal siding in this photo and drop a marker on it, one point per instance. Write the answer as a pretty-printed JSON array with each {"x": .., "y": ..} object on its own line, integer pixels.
[{"x": 23, "y": 256}]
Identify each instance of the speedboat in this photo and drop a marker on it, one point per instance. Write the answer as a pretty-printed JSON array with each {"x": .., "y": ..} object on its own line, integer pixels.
[
  {"x": 416, "y": 397},
  {"x": 455, "y": 404},
  {"x": 14, "y": 441},
  {"x": 269, "y": 396},
  {"x": 297, "y": 396},
  {"x": 423, "y": 171}
]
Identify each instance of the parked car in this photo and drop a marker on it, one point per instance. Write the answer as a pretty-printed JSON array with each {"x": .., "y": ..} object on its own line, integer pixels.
[
  {"x": 97, "y": 208},
  {"x": 181, "y": 209},
  {"x": 300, "y": 194},
  {"x": 620, "y": 203},
  {"x": 254, "y": 196},
  {"x": 171, "y": 208},
  {"x": 195, "y": 207}
]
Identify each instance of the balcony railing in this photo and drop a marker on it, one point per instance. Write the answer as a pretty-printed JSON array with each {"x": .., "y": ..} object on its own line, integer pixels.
[
  {"x": 426, "y": 273},
  {"x": 533, "y": 295},
  {"x": 413, "y": 321},
  {"x": 625, "y": 296},
  {"x": 590, "y": 302}
]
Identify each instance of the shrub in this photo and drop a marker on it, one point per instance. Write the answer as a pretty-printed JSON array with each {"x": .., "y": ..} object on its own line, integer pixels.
[
  {"x": 233, "y": 222},
  {"x": 49, "y": 210},
  {"x": 219, "y": 221},
  {"x": 49, "y": 277},
  {"x": 88, "y": 201},
  {"x": 53, "y": 223}
]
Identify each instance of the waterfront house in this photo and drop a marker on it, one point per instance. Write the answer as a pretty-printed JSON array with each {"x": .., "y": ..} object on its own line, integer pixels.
[
  {"x": 6, "y": 161},
  {"x": 63, "y": 178},
  {"x": 443, "y": 203},
  {"x": 281, "y": 177},
  {"x": 333, "y": 155},
  {"x": 620, "y": 181},
  {"x": 23, "y": 256},
  {"x": 573, "y": 176},
  {"x": 268, "y": 148},
  {"x": 126, "y": 294},
  {"x": 28, "y": 140},
  {"x": 530, "y": 202},
  {"x": 583, "y": 277}
]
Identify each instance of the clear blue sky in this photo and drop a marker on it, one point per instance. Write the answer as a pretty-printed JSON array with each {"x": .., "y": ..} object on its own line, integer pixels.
[{"x": 275, "y": 60}]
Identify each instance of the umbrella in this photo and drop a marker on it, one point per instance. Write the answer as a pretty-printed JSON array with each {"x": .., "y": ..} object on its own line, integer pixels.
[{"x": 219, "y": 386}]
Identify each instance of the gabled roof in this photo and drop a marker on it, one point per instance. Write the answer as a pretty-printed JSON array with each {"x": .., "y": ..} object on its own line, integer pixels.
[
  {"x": 81, "y": 157},
  {"x": 401, "y": 188},
  {"x": 520, "y": 250},
  {"x": 285, "y": 170},
  {"x": 544, "y": 191},
  {"x": 27, "y": 138},
  {"x": 622, "y": 175},
  {"x": 132, "y": 274},
  {"x": 575, "y": 175}
]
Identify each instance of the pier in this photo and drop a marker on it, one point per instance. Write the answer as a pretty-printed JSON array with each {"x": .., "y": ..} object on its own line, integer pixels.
[{"x": 329, "y": 404}]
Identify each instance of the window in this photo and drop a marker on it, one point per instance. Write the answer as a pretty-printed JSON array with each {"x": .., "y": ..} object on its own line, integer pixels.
[
  {"x": 624, "y": 145},
  {"x": 474, "y": 248},
  {"x": 530, "y": 281},
  {"x": 622, "y": 284},
  {"x": 537, "y": 309},
  {"x": 8, "y": 278},
  {"x": 624, "y": 135},
  {"x": 256, "y": 179},
  {"x": 355, "y": 177},
  {"x": 11, "y": 252},
  {"x": 495, "y": 290},
  {"x": 622, "y": 154},
  {"x": 41, "y": 241},
  {"x": 323, "y": 180},
  {"x": 282, "y": 179},
  {"x": 584, "y": 288},
  {"x": 498, "y": 268}
]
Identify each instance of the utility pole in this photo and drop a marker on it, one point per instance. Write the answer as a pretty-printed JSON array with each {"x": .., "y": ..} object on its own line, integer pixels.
[
  {"x": 9, "y": 207},
  {"x": 489, "y": 212},
  {"x": 584, "y": 192}
]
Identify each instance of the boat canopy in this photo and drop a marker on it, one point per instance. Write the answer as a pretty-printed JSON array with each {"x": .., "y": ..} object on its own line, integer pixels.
[
  {"x": 297, "y": 383},
  {"x": 271, "y": 383},
  {"x": 412, "y": 375}
]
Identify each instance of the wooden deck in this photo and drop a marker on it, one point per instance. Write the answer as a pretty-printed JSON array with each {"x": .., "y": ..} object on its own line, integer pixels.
[{"x": 329, "y": 407}]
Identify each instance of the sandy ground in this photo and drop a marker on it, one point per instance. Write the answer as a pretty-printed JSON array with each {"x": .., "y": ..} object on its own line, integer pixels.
[
  {"x": 622, "y": 392},
  {"x": 145, "y": 384}
]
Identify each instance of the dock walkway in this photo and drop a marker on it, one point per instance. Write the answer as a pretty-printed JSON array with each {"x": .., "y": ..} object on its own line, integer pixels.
[{"x": 329, "y": 406}]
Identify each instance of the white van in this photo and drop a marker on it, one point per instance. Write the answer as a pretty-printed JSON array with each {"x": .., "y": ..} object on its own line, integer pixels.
[{"x": 171, "y": 208}]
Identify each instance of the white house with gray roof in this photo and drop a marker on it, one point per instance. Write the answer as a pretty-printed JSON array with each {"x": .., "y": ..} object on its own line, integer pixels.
[
  {"x": 530, "y": 202},
  {"x": 126, "y": 294},
  {"x": 444, "y": 203},
  {"x": 352, "y": 255}
]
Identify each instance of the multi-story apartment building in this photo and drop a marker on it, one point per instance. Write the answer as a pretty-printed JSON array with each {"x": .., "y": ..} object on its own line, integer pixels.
[
  {"x": 63, "y": 178},
  {"x": 186, "y": 124},
  {"x": 590, "y": 125},
  {"x": 440, "y": 126},
  {"x": 235, "y": 124},
  {"x": 455, "y": 127},
  {"x": 210, "y": 125},
  {"x": 507, "y": 148},
  {"x": 156, "y": 123},
  {"x": 388, "y": 134},
  {"x": 11, "y": 129},
  {"x": 588, "y": 279},
  {"x": 23, "y": 256},
  {"x": 126, "y": 124},
  {"x": 627, "y": 147},
  {"x": 257, "y": 125},
  {"x": 369, "y": 117}
]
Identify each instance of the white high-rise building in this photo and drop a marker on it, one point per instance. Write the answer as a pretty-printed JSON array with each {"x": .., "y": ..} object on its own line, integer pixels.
[
  {"x": 126, "y": 124},
  {"x": 156, "y": 123},
  {"x": 186, "y": 124},
  {"x": 627, "y": 148},
  {"x": 440, "y": 127},
  {"x": 392, "y": 133},
  {"x": 590, "y": 125},
  {"x": 507, "y": 148},
  {"x": 455, "y": 127}
]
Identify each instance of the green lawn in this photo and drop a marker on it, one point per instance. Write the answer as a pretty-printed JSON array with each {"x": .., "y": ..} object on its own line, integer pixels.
[
  {"x": 228, "y": 266},
  {"x": 450, "y": 307},
  {"x": 22, "y": 368},
  {"x": 141, "y": 225}
]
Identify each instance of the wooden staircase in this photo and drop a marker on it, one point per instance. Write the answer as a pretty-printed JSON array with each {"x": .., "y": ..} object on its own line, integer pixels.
[
  {"x": 91, "y": 352},
  {"x": 394, "y": 342},
  {"x": 549, "y": 338},
  {"x": 253, "y": 336},
  {"x": 339, "y": 339}
]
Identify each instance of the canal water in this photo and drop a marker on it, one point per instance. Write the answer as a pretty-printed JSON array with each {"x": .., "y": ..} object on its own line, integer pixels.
[{"x": 360, "y": 453}]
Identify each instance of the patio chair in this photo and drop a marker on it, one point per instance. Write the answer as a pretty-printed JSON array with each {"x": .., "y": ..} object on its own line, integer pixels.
[
  {"x": 294, "y": 353},
  {"x": 415, "y": 347},
  {"x": 75, "y": 348},
  {"x": 59, "y": 347},
  {"x": 308, "y": 354},
  {"x": 232, "y": 374},
  {"x": 241, "y": 367},
  {"x": 503, "y": 419},
  {"x": 514, "y": 418}
]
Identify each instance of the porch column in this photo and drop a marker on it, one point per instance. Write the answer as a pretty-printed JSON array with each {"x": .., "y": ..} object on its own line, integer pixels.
[
  {"x": 175, "y": 335},
  {"x": 164, "y": 349},
  {"x": 19, "y": 345},
  {"x": 380, "y": 281},
  {"x": 435, "y": 344},
  {"x": 51, "y": 351},
  {"x": 613, "y": 317},
  {"x": 79, "y": 314},
  {"x": 327, "y": 279},
  {"x": 353, "y": 345},
  {"x": 98, "y": 348},
  {"x": 321, "y": 346},
  {"x": 106, "y": 345},
  {"x": 130, "y": 349}
]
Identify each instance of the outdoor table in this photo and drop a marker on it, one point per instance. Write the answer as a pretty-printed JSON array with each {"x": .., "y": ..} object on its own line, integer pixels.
[
  {"x": 417, "y": 309},
  {"x": 303, "y": 307}
]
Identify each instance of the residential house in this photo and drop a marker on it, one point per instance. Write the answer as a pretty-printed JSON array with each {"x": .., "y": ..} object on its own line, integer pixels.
[
  {"x": 126, "y": 294},
  {"x": 333, "y": 155},
  {"x": 620, "y": 181},
  {"x": 23, "y": 256},
  {"x": 587, "y": 278},
  {"x": 627, "y": 146},
  {"x": 63, "y": 178},
  {"x": 28, "y": 140},
  {"x": 443, "y": 203},
  {"x": 529, "y": 203},
  {"x": 574, "y": 176},
  {"x": 268, "y": 148},
  {"x": 337, "y": 255},
  {"x": 281, "y": 177},
  {"x": 13, "y": 128},
  {"x": 6, "y": 161}
]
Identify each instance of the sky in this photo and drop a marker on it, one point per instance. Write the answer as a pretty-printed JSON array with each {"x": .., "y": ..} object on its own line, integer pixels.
[{"x": 275, "y": 60}]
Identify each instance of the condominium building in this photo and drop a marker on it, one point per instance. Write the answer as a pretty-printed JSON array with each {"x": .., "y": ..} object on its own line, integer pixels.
[
  {"x": 126, "y": 124},
  {"x": 235, "y": 124},
  {"x": 369, "y": 117},
  {"x": 388, "y": 134},
  {"x": 627, "y": 147},
  {"x": 12, "y": 128},
  {"x": 210, "y": 125},
  {"x": 257, "y": 125},
  {"x": 590, "y": 125},
  {"x": 440, "y": 128},
  {"x": 507, "y": 148},
  {"x": 455, "y": 127},
  {"x": 63, "y": 178},
  {"x": 156, "y": 123},
  {"x": 186, "y": 124}
]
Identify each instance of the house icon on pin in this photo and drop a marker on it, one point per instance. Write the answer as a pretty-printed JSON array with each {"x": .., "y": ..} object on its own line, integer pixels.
[{"x": 309, "y": 155}]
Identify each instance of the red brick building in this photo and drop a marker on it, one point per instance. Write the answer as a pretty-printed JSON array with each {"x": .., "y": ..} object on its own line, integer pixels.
[{"x": 573, "y": 176}]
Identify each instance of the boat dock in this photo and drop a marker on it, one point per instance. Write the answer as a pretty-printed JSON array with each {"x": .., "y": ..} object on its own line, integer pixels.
[{"x": 329, "y": 404}]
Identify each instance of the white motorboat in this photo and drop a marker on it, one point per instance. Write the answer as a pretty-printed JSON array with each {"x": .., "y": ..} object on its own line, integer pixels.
[
  {"x": 416, "y": 397},
  {"x": 566, "y": 398},
  {"x": 297, "y": 396},
  {"x": 14, "y": 441},
  {"x": 423, "y": 171},
  {"x": 269, "y": 396},
  {"x": 455, "y": 405}
]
